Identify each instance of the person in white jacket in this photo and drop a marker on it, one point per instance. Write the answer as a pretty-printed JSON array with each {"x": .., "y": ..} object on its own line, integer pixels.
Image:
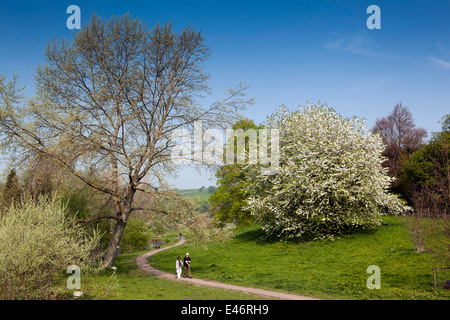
[{"x": 179, "y": 267}]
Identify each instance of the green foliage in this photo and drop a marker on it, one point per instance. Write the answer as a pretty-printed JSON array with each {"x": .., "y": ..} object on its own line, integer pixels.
[
  {"x": 201, "y": 204},
  {"x": 76, "y": 203},
  {"x": 427, "y": 165},
  {"x": 445, "y": 121},
  {"x": 37, "y": 244},
  {"x": 427, "y": 170},
  {"x": 135, "y": 236},
  {"x": 228, "y": 201},
  {"x": 85, "y": 203},
  {"x": 329, "y": 180}
]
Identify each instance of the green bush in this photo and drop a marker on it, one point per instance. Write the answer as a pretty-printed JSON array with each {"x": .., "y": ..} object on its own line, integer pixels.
[
  {"x": 37, "y": 245},
  {"x": 135, "y": 236},
  {"x": 76, "y": 203}
]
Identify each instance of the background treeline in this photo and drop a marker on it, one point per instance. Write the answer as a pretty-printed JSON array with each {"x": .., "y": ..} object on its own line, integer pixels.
[
  {"x": 422, "y": 172},
  {"x": 421, "y": 168}
]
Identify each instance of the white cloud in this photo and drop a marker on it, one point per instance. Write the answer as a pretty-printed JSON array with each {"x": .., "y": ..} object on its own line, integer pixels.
[
  {"x": 442, "y": 63},
  {"x": 443, "y": 49},
  {"x": 358, "y": 44}
]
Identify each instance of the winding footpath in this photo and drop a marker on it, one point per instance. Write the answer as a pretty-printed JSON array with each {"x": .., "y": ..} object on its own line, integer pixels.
[{"x": 143, "y": 264}]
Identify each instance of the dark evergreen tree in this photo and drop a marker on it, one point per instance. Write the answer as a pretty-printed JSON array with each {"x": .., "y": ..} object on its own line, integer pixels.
[{"x": 12, "y": 191}]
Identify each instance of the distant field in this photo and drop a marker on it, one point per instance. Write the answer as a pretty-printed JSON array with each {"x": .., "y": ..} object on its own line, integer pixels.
[{"x": 194, "y": 193}]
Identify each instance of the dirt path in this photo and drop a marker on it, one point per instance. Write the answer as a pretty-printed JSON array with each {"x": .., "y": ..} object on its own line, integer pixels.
[{"x": 143, "y": 264}]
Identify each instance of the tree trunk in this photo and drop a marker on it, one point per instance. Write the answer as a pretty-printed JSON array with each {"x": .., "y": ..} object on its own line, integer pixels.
[
  {"x": 123, "y": 210},
  {"x": 113, "y": 247}
]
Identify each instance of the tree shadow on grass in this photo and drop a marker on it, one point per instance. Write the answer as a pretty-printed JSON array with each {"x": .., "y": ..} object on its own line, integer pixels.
[
  {"x": 258, "y": 236},
  {"x": 253, "y": 235}
]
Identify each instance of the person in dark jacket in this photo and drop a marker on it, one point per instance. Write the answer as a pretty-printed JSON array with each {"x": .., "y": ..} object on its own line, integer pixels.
[{"x": 187, "y": 265}]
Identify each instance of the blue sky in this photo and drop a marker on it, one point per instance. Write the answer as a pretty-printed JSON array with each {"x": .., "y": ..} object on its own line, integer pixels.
[{"x": 289, "y": 52}]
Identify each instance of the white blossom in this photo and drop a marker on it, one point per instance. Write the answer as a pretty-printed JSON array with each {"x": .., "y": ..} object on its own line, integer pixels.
[{"x": 329, "y": 179}]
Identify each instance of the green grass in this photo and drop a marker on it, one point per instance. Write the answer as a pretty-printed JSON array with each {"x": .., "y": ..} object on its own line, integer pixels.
[
  {"x": 133, "y": 284},
  {"x": 323, "y": 269}
]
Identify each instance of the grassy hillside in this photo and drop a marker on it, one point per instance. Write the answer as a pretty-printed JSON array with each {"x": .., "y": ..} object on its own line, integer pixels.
[
  {"x": 320, "y": 269},
  {"x": 194, "y": 193}
]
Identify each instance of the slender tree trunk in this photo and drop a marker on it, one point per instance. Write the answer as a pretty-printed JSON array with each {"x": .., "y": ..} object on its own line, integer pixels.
[
  {"x": 114, "y": 244},
  {"x": 123, "y": 210}
]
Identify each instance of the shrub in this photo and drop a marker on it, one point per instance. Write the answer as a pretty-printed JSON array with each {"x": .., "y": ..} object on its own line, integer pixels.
[
  {"x": 135, "y": 236},
  {"x": 330, "y": 178},
  {"x": 37, "y": 244}
]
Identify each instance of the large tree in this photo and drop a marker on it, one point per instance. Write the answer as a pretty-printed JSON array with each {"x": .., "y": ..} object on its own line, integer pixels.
[
  {"x": 329, "y": 179},
  {"x": 107, "y": 104},
  {"x": 228, "y": 201}
]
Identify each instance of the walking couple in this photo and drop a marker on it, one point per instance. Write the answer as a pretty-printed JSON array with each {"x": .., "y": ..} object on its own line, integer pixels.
[{"x": 186, "y": 263}]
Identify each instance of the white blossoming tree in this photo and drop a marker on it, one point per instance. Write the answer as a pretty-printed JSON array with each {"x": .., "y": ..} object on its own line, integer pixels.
[{"x": 329, "y": 180}]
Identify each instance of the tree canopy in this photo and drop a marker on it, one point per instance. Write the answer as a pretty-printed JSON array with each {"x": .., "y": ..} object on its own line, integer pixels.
[
  {"x": 228, "y": 201},
  {"x": 329, "y": 180}
]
